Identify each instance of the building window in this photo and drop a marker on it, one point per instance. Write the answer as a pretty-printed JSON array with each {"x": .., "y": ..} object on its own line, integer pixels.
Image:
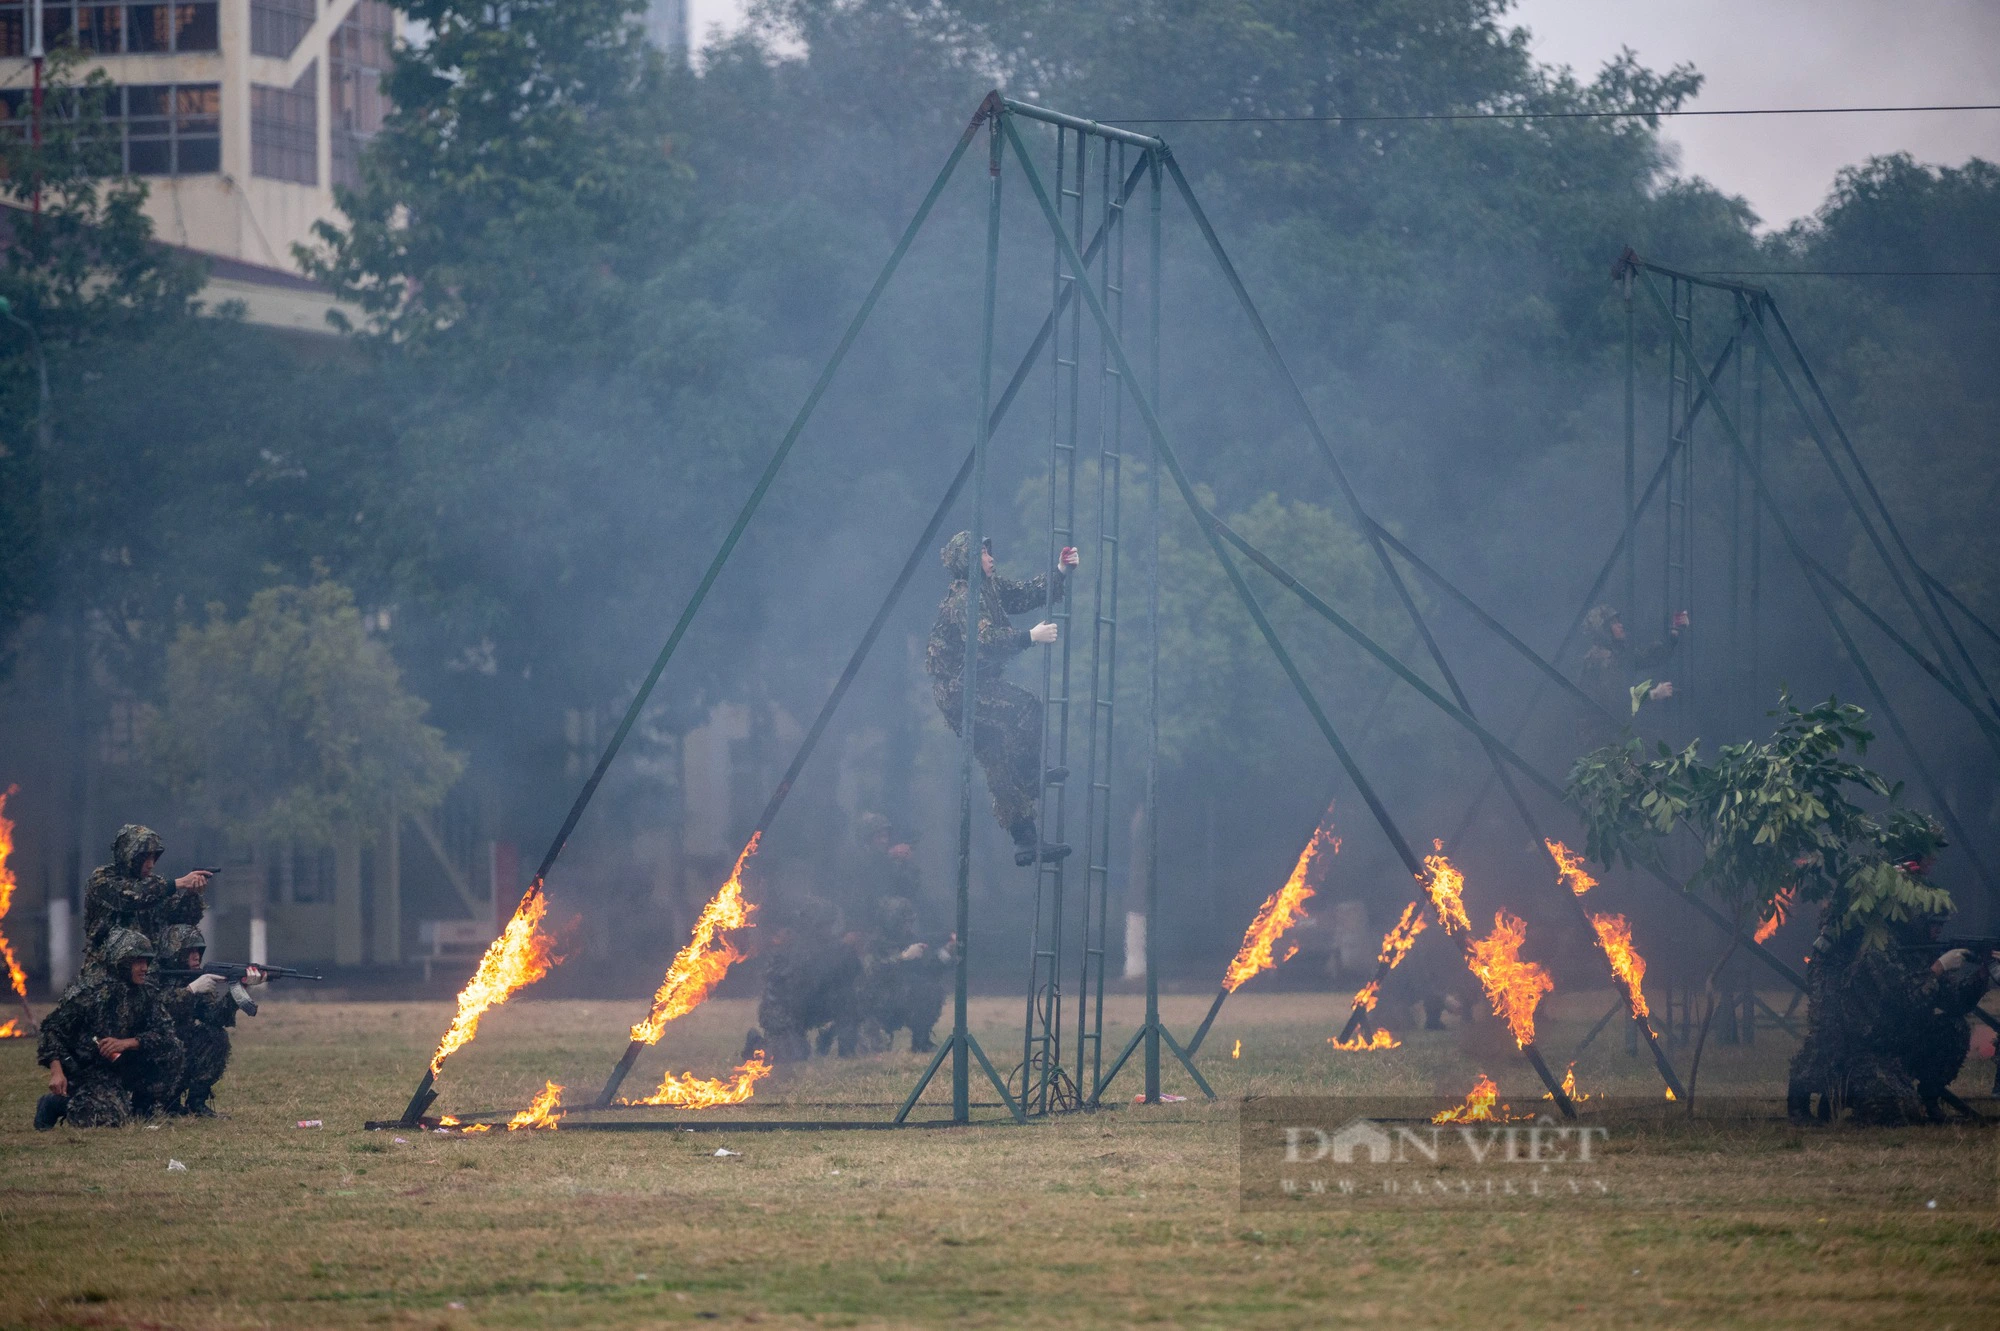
[
  {"x": 356, "y": 59},
  {"x": 111, "y": 29},
  {"x": 159, "y": 129},
  {"x": 278, "y": 26},
  {"x": 284, "y": 129}
]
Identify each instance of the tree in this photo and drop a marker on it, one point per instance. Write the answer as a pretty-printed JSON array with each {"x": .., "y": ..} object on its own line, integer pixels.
[
  {"x": 1775, "y": 817},
  {"x": 290, "y": 725}
]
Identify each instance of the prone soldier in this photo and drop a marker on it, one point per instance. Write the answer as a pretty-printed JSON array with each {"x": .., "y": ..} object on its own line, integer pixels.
[{"x": 110, "y": 1046}]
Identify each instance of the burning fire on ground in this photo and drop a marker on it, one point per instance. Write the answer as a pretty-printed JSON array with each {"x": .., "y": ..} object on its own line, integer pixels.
[
  {"x": 687, "y": 1091},
  {"x": 1615, "y": 937},
  {"x": 1569, "y": 1088},
  {"x": 540, "y": 1114},
  {"x": 10, "y": 1029},
  {"x": 520, "y": 956},
  {"x": 1361, "y": 1044},
  {"x": 1781, "y": 907},
  {"x": 1481, "y": 1105},
  {"x": 15, "y": 975},
  {"x": 1445, "y": 886},
  {"x": 1237, "y": 1052},
  {"x": 700, "y": 966},
  {"x": 1569, "y": 866},
  {"x": 1280, "y": 911},
  {"x": 1513, "y": 986}
]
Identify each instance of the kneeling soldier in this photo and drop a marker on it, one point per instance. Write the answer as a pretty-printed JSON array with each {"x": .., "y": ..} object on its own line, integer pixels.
[
  {"x": 110, "y": 1046},
  {"x": 203, "y": 1008}
]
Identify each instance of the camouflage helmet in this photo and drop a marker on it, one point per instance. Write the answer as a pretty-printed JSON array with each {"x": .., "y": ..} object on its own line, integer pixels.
[
  {"x": 125, "y": 946},
  {"x": 178, "y": 941},
  {"x": 1599, "y": 621},
  {"x": 132, "y": 845},
  {"x": 1912, "y": 838},
  {"x": 954, "y": 553}
]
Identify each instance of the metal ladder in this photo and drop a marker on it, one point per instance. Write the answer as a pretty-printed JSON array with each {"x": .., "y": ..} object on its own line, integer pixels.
[
  {"x": 1097, "y": 841},
  {"x": 1677, "y": 570}
]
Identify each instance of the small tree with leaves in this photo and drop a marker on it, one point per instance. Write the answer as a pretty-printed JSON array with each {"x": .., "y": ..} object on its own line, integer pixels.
[{"x": 290, "y": 725}]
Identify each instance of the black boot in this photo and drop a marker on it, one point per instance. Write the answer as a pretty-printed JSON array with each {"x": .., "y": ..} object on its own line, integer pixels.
[
  {"x": 50, "y": 1110},
  {"x": 1055, "y": 776},
  {"x": 197, "y": 1104},
  {"x": 1025, "y": 855}
]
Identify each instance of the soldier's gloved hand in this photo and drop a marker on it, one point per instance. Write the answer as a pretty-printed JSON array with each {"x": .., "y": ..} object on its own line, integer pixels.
[
  {"x": 1043, "y": 633},
  {"x": 205, "y": 984},
  {"x": 913, "y": 952},
  {"x": 1680, "y": 620},
  {"x": 1951, "y": 961},
  {"x": 252, "y": 976},
  {"x": 1068, "y": 560}
]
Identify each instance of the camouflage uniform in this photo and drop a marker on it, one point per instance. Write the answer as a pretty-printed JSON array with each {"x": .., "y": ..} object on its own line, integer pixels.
[
  {"x": 1611, "y": 667},
  {"x": 1007, "y": 719},
  {"x": 107, "y": 1093},
  {"x": 201, "y": 1020},
  {"x": 811, "y": 984},
  {"x": 889, "y": 869},
  {"x": 904, "y": 977},
  {"x": 1886, "y": 1036},
  {"x": 119, "y": 898}
]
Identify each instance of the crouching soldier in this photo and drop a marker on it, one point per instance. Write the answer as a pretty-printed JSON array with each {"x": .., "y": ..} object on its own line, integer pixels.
[
  {"x": 110, "y": 1046},
  {"x": 811, "y": 986},
  {"x": 905, "y": 977},
  {"x": 203, "y": 1008}
]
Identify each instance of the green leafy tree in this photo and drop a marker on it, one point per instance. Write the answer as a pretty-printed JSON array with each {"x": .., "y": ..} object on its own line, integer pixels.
[
  {"x": 290, "y": 724},
  {"x": 1774, "y": 816}
]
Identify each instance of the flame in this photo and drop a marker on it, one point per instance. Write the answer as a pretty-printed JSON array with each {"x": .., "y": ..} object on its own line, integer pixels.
[
  {"x": 700, "y": 966},
  {"x": 1360, "y": 1045},
  {"x": 1569, "y": 1088},
  {"x": 11, "y": 1030},
  {"x": 517, "y": 958},
  {"x": 1513, "y": 986},
  {"x": 1615, "y": 937},
  {"x": 1481, "y": 1105},
  {"x": 1569, "y": 867},
  {"x": 1446, "y": 889},
  {"x": 1237, "y": 1052},
  {"x": 1397, "y": 943},
  {"x": 540, "y": 1114},
  {"x": 1780, "y": 908},
  {"x": 15, "y": 975},
  {"x": 1280, "y": 911},
  {"x": 1369, "y": 996},
  {"x": 687, "y": 1091},
  {"x": 1671, "y": 1095}
]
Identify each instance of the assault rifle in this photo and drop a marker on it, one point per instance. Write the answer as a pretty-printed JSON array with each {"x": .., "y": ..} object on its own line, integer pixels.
[{"x": 234, "y": 971}]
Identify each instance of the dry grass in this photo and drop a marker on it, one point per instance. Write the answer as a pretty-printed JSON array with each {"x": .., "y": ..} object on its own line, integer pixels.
[{"x": 1120, "y": 1217}]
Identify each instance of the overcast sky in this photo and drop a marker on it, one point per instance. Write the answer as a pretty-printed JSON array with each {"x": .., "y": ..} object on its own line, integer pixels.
[{"x": 1772, "y": 53}]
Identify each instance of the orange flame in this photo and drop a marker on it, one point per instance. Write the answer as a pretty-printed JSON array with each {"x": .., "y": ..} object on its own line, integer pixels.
[
  {"x": 1397, "y": 943},
  {"x": 1280, "y": 911},
  {"x": 1361, "y": 1045},
  {"x": 1513, "y": 986},
  {"x": 1569, "y": 1088},
  {"x": 1615, "y": 937},
  {"x": 1446, "y": 889},
  {"x": 1237, "y": 1052},
  {"x": 1780, "y": 908},
  {"x": 687, "y": 1091},
  {"x": 700, "y": 966},
  {"x": 540, "y": 1114},
  {"x": 1369, "y": 995},
  {"x": 1481, "y": 1105},
  {"x": 517, "y": 958},
  {"x": 1569, "y": 867},
  {"x": 15, "y": 975},
  {"x": 11, "y": 1030}
]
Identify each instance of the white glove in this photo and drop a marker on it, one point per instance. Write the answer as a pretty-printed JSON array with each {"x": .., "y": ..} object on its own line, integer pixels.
[
  {"x": 205, "y": 984},
  {"x": 1043, "y": 634},
  {"x": 913, "y": 952},
  {"x": 1951, "y": 960},
  {"x": 253, "y": 977}
]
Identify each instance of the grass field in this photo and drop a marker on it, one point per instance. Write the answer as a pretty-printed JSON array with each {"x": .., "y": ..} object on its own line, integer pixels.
[{"x": 1125, "y": 1216}]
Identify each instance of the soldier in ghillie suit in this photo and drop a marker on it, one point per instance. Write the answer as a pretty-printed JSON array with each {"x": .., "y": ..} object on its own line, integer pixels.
[
  {"x": 110, "y": 1046},
  {"x": 811, "y": 985},
  {"x": 1612, "y": 665},
  {"x": 203, "y": 1008},
  {"x": 904, "y": 981},
  {"x": 127, "y": 894},
  {"x": 1887, "y": 1024},
  {"x": 1007, "y": 724}
]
